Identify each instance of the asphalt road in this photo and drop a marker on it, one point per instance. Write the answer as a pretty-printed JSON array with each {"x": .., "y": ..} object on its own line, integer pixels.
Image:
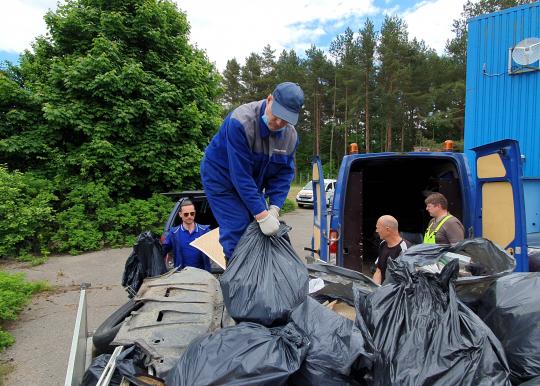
[{"x": 44, "y": 331}]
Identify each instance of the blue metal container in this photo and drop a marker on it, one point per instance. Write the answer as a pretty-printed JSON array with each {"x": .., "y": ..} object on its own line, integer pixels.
[{"x": 503, "y": 95}]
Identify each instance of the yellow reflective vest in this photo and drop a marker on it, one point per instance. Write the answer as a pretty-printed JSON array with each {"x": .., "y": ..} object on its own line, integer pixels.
[{"x": 429, "y": 236}]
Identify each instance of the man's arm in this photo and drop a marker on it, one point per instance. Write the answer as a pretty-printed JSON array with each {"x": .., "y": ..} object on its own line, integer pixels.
[
  {"x": 377, "y": 276},
  {"x": 166, "y": 246},
  {"x": 241, "y": 167}
]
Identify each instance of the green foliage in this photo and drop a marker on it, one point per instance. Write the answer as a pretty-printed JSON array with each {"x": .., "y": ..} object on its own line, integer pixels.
[
  {"x": 288, "y": 206},
  {"x": 112, "y": 106},
  {"x": 92, "y": 220},
  {"x": 15, "y": 293},
  {"x": 26, "y": 212},
  {"x": 115, "y": 95},
  {"x": 382, "y": 89}
]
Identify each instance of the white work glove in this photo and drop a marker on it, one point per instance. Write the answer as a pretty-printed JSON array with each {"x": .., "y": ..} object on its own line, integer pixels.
[
  {"x": 274, "y": 211},
  {"x": 269, "y": 225}
]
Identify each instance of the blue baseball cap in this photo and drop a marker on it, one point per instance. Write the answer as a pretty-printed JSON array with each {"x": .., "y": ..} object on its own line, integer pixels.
[{"x": 288, "y": 99}]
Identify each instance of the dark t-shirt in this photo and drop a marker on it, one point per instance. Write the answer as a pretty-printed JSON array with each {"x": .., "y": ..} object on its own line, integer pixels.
[{"x": 386, "y": 252}]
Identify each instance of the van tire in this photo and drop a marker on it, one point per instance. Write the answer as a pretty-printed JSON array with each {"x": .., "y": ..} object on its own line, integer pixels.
[{"x": 106, "y": 332}]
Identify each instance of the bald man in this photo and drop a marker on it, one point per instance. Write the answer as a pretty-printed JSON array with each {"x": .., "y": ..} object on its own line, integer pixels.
[{"x": 391, "y": 246}]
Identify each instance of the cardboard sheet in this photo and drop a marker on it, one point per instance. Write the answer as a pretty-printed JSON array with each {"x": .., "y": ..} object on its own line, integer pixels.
[{"x": 209, "y": 244}]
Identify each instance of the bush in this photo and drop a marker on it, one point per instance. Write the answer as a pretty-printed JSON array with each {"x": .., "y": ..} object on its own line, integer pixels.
[
  {"x": 123, "y": 223},
  {"x": 288, "y": 206},
  {"x": 92, "y": 220},
  {"x": 15, "y": 293},
  {"x": 26, "y": 213},
  {"x": 87, "y": 219}
]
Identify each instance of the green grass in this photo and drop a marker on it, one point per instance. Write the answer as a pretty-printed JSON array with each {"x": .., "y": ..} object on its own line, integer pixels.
[
  {"x": 288, "y": 206},
  {"x": 15, "y": 293}
]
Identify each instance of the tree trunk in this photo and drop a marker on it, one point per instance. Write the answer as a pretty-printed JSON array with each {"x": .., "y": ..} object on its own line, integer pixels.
[
  {"x": 389, "y": 133},
  {"x": 368, "y": 149},
  {"x": 346, "y": 121}
]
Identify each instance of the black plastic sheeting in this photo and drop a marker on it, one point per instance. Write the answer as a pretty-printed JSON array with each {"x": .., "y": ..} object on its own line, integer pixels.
[
  {"x": 144, "y": 261},
  {"x": 511, "y": 308},
  {"x": 335, "y": 291},
  {"x": 339, "y": 282},
  {"x": 425, "y": 336},
  {"x": 339, "y": 352},
  {"x": 265, "y": 279},
  {"x": 242, "y": 355},
  {"x": 489, "y": 260},
  {"x": 130, "y": 364},
  {"x": 93, "y": 373},
  {"x": 534, "y": 259}
]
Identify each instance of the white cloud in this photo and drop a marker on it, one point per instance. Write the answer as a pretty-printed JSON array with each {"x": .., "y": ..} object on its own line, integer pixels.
[
  {"x": 238, "y": 27},
  {"x": 431, "y": 21},
  {"x": 21, "y": 21}
]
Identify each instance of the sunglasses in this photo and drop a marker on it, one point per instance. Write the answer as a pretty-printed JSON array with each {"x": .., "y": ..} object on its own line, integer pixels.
[{"x": 192, "y": 214}]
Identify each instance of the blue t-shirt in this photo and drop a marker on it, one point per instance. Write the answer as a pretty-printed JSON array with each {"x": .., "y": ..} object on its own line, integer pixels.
[{"x": 185, "y": 255}]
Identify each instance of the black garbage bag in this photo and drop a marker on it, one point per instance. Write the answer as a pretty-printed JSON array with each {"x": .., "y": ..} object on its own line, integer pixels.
[
  {"x": 339, "y": 283},
  {"x": 534, "y": 259},
  {"x": 265, "y": 279},
  {"x": 425, "y": 336},
  {"x": 245, "y": 354},
  {"x": 144, "y": 261},
  {"x": 488, "y": 262},
  {"x": 335, "y": 291},
  {"x": 338, "y": 350},
  {"x": 512, "y": 310},
  {"x": 532, "y": 382},
  {"x": 132, "y": 364},
  {"x": 93, "y": 373}
]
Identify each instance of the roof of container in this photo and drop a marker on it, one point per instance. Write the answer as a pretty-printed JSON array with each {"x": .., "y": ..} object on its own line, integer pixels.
[{"x": 504, "y": 11}]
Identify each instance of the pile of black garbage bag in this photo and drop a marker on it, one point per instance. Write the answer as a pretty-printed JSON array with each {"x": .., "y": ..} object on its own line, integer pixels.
[
  {"x": 488, "y": 262},
  {"x": 282, "y": 336},
  {"x": 419, "y": 328},
  {"x": 424, "y": 335},
  {"x": 145, "y": 260}
]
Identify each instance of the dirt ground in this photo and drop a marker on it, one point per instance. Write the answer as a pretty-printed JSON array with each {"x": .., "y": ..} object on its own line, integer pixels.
[{"x": 44, "y": 330}]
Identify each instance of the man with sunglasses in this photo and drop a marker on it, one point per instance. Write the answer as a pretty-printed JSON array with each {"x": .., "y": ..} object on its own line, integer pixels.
[
  {"x": 251, "y": 158},
  {"x": 180, "y": 237}
]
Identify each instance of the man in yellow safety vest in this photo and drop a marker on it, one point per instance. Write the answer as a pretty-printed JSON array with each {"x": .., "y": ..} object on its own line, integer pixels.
[{"x": 443, "y": 228}]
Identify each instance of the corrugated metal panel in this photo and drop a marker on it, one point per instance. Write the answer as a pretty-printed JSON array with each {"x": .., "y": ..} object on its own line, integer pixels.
[{"x": 499, "y": 105}]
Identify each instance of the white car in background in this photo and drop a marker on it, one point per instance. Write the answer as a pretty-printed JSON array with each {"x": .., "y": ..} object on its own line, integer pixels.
[{"x": 305, "y": 196}]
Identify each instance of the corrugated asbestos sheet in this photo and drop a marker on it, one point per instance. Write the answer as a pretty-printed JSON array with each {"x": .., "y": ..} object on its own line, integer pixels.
[{"x": 500, "y": 105}]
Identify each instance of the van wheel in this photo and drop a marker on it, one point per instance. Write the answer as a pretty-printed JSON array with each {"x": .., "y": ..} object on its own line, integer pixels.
[{"x": 107, "y": 331}]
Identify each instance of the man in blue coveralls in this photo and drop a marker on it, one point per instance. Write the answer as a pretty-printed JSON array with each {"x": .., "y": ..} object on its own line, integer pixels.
[
  {"x": 179, "y": 238},
  {"x": 252, "y": 158}
]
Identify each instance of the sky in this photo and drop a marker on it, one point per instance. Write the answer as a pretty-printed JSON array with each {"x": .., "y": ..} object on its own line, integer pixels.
[{"x": 235, "y": 28}]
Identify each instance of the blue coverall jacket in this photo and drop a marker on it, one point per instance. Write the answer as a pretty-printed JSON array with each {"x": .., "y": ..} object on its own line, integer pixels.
[
  {"x": 244, "y": 163},
  {"x": 185, "y": 255}
]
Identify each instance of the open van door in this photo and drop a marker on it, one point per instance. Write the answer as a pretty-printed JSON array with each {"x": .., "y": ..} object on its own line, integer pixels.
[
  {"x": 500, "y": 212},
  {"x": 319, "y": 243}
]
